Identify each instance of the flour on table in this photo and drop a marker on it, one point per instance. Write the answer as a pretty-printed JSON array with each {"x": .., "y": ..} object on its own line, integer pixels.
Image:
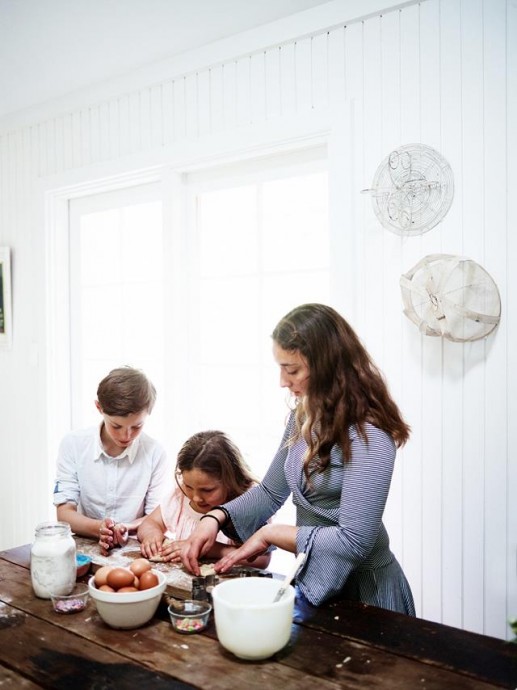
[{"x": 175, "y": 574}]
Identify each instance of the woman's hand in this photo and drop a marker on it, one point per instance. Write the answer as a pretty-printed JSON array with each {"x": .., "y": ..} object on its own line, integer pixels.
[
  {"x": 198, "y": 544},
  {"x": 253, "y": 547}
]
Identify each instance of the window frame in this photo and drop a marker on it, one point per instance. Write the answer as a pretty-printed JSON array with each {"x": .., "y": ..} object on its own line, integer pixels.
[{"x": 169, "y": 168}]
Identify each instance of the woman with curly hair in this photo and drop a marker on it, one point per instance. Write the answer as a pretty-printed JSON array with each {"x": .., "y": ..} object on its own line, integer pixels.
[{"x": 336, "y": 459}]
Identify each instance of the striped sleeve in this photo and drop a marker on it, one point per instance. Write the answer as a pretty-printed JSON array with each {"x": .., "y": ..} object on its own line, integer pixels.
[{"x": 251, "y": 511}]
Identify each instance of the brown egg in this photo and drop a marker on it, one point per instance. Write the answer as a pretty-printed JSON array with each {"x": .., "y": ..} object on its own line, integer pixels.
[
  {"x": 139, "y": 566},
  {"x": 127, "y": 589},
  {"x": 106, "y": 588},
  {"x": 148, "y": 580},
  {"x": 101, "y": 575},
  {"x": 120, "y": 577}
]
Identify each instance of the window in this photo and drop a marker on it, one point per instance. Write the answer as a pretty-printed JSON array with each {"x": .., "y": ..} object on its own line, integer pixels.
[
  {"x": 260, "y": 248},
  {"x": 116, "y": 294},
  {"x": 244, "y": 245}
]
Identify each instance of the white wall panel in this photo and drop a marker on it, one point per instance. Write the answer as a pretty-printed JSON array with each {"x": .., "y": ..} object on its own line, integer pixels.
[
  {"x": 390, "y": 93},
  {"x": 192, "y": 111},
  {"x": 452, "y": 234},
  {"x": 439, "y": 72},
  {"x": 336, "y": 66},
  {"x": 257, "y": 87},
  {"x": 180, "y": 109},
  {"x": 510, "y": 313},
  {"x": 470, "y": 186},
  {"x": 230, "y": 95},
  {"x": 287, "y": 78},
  {"x": 319, "y": 71},
  {"x": 216, "y": 93},
  {"x": 167, "y": 113},
  {"x": 203, "y": 102},
  {"x": 273, "y": 91},
  {"x": 495, "y": 261},
  {"x": 303, "y": 74},
  {"x": 243, "y": 91}
]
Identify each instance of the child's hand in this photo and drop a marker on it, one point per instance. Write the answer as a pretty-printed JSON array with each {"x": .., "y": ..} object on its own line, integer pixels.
[
  {"x": 151, "y": 545},
  {"x": 106, "y": 535},
  {"x": 120, "y": 534},
  {"x": 172, "y": 551}
]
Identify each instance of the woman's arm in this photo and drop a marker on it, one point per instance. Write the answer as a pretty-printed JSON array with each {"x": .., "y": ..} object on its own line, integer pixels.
[
  {"x": 248, "y": 512},
  {"x": 252, "y": 551},
  {"x": 223, "y": 551}
]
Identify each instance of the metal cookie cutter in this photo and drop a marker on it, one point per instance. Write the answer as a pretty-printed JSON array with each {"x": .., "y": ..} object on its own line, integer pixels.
[
  {"x": 244, "y": 571},
  {"x": 202, "y": 587}
]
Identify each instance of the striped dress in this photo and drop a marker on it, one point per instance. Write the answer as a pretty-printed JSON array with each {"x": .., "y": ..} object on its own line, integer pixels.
[{"x": 339, "y": 519}]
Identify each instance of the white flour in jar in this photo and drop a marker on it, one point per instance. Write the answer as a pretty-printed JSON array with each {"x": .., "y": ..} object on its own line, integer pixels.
[{"x": 53, "y": 566}]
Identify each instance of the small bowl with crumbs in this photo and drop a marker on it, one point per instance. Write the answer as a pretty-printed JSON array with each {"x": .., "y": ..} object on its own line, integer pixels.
[
  {"x": 74, "y": 602},
  {"x": 189, "y": 616}
]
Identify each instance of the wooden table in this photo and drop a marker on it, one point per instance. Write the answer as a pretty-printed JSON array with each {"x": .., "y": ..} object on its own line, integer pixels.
[{"x": 339, "y": 645}]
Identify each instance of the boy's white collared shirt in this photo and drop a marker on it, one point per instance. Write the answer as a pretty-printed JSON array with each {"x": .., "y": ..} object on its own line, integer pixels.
[{"x": 124, "y": 487}]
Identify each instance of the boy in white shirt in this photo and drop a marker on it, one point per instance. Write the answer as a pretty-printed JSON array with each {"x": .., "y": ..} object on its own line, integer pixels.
[{"x": 111, "y": 476}]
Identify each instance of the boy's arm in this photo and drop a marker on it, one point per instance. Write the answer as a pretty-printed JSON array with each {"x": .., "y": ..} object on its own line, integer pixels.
[
  {"x": 157, "y": 484},
  {"x": 80, "y": 524}
]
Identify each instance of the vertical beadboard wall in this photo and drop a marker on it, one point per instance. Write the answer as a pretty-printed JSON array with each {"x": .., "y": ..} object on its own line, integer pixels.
[{"x": 440, "y": 72}]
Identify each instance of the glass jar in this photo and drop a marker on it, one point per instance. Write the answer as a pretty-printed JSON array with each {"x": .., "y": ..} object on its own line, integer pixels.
[{"x": 53, "y": 567}]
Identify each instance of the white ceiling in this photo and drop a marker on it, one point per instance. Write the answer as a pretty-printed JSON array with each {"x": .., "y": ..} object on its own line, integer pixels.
[{"x": 49, "y": 48}]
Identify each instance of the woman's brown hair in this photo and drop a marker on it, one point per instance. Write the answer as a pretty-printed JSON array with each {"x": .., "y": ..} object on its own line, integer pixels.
[{"x": 345, "y": 387}]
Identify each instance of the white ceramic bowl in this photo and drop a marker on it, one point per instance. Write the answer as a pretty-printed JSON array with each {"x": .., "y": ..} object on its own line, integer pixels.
[
  {"x": 247, "y": 621},
  {"x": 128, "y": 609}
]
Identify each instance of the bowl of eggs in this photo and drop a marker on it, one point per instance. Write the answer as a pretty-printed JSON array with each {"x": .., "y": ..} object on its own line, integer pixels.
[{"x": 127, "y": 597}]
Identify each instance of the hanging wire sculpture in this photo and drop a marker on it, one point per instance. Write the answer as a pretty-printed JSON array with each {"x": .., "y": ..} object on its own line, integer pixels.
[
  {"x": 412, "y": 190},
  {"x": 452, "y": 297}
]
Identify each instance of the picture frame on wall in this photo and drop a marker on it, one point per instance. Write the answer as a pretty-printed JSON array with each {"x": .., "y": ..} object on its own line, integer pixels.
[{"x": 5, "y": 299}]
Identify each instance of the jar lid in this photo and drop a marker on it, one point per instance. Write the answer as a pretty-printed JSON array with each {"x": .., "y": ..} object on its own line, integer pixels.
[{"x": 51, "y": 528}]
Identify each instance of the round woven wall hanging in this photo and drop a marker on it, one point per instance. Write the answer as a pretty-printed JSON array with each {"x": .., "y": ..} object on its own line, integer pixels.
[
  {"x": 412, "y": 189},
  {"x": 452, "y": 297}
]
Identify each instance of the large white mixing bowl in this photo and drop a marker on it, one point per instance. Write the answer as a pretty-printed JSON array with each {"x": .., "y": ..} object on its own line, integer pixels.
[{"x": 247, "y": 621}]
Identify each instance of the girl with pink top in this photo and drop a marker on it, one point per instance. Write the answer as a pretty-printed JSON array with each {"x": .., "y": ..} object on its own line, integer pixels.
[{"x": 210, "y": 470}]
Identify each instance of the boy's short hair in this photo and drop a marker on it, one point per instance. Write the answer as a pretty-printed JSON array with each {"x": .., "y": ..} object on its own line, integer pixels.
[{"x": 126, "y": 391}]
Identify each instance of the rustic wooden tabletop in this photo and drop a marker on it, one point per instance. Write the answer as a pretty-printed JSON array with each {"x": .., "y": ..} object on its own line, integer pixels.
[{"x": 338, "y": 645}]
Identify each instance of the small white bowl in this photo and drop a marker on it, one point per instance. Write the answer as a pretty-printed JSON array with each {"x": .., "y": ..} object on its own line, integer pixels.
[
  {"x": 128, "y": 609},
  {"x": 247, "y": 621}
]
